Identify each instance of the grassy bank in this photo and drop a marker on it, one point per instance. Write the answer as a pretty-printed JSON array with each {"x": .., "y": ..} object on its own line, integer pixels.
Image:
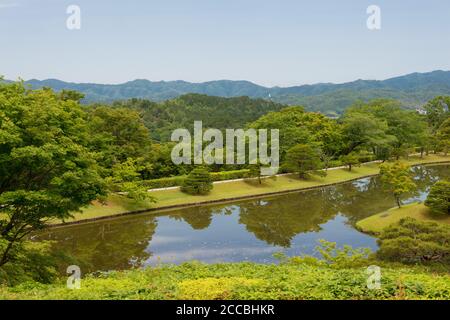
[
  {"x": 237, "y": 189},
  {"x": 418, "y": 211},
  {"x": 245, "y": 281}
]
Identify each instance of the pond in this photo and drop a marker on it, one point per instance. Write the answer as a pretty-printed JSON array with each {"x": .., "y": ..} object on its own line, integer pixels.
[{"x": 250, "y": 230}]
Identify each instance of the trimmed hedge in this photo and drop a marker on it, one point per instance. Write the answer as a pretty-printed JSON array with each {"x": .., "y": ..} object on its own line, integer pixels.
[
  {"x": 230, "y": 175},
  {"x": 178, "y": 180},
  {"x": 164, "y": 182}
]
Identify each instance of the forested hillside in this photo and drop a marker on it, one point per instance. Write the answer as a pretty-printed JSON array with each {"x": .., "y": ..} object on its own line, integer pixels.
[
  {"x": 411, "y": 90},
  {"x": 215, "y": 112}
]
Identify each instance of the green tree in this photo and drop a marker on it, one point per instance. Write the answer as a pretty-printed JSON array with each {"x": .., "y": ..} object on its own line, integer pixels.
[
  {"x": 397, "y": 179},
  {"x": 443, "y": 137},
  {"x": 437, "y": 111},
  {"x": 118, "y": 134},
  {"x": 413, "y": 241},
  {"x": 438, "y": 199},
  {"x": 403, "y": 129},
  {"x": 299, "y": 127},
  {"x": 305, "y": 160},
  {"x": 198, "y": 182},
  {"x": 363, "y": 130},
  {"x": 126, "y": 180},
  {"x": 350, "y": 160},
  {"x": 47, "y": 170},
  {"x": 123, "y": 149},
  {"x": 255, "y": 171}
]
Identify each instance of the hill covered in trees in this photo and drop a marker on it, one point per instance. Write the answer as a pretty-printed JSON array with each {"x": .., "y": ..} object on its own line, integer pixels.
[
  {"x": 411, "y": 90},
  {"x": 215, "y": 112}
]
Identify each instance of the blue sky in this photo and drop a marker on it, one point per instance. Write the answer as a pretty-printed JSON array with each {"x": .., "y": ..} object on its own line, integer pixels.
[{"x": 286, "y": 42}]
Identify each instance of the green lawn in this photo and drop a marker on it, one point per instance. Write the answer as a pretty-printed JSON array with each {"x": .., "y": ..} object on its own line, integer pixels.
[
  {"x": 378, "y": 222},
  {"x": 236, "y": 189}
]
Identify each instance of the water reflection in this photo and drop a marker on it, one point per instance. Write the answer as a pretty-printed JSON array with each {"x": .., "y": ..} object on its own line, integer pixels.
[{"x": 246, "y": 230}]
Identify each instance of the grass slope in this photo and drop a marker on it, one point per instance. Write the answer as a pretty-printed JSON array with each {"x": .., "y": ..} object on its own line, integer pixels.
[
  {"x": 419, "y": 211},
  {"x": 302, "y": 280}
]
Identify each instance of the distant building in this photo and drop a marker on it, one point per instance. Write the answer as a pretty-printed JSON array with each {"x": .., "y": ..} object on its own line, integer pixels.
[{"x": 421, "y": 111}]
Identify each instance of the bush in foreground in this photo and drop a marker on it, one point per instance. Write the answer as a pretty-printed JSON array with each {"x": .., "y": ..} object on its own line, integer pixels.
[
  {"x": 412, "y": 241},
  {"x": 302, "y": 280}
]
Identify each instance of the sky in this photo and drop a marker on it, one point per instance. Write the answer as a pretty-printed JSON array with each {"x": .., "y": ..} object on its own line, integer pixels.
[{"x": 272, "y": 43}]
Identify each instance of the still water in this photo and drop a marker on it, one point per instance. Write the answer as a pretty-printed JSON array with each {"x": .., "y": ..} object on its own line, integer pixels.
[{"x": 250, "y": 230}]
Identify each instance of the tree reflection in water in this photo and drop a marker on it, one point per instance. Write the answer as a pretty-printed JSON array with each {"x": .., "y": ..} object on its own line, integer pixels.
[{"x": 273, "y": 222}]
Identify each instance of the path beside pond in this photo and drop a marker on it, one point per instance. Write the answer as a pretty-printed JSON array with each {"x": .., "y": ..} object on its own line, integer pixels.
[{"x": 117, "y": 205}]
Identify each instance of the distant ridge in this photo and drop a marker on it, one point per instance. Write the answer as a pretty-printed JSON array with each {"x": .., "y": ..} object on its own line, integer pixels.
[{"x": 412, "y": 90}]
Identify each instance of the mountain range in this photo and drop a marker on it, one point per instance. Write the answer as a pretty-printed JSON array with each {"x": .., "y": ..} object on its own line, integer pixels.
[{"x": 412, "y": 90}]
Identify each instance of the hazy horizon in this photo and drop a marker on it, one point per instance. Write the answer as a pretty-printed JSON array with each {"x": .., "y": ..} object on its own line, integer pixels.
[
  {"x": 213, "y": 80},
  {"x": 283, "y": 44}
]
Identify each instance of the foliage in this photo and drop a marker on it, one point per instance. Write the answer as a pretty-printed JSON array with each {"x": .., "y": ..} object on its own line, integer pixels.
[
  {"x": 126, "y": 180},
  {"x": 215, "y": 288},
  {"x": 438, "y": 199},
  {"x": 229, "y": 175},
  {"x": 242, "y": 281},
  {"x": 331, "y": 99},
  {"x": 198, "y": 182},
  {"x": 346, "y": 257},
  {"x": 305, "y": 160},
  {"x": 437, "y": 111},
  {"x": 350, "y": 160},
  {"x": 118, "y": 133},
  {"x": 299, "y": 127},
  {"x": 443, "y": 137},
  {"x": 215, "y": 112},
  {"x": 33, "y": 261},
  {"x": 363, "y": 130},
  {"x": 47, "y": 168},
  {"x": 413, "y": 241},
  {"x": 397, "y": 178},
  {"x": 178, "y": 180},
  {"x": 164, "y": 182}
]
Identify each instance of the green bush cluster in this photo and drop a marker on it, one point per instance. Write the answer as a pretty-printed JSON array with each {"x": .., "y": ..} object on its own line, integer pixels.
[
  {"x": 230, "y": 175},
  {"x": 198, "y": 182},
  {"x": 301, "y": 280},
  {"x": 164, "y": 182},
  {"x": 412, "y": 241},
  {"x": 438, "y": 199}
]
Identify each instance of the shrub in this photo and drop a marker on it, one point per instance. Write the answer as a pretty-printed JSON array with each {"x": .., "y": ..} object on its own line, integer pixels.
[
  {"x": 214, "y": 288},
  {"x": 350, "y": 160},
  {"x": 197, "y": 182},
  {"x": 365, "y": 156},
  {"x": 178, "y": 180},
  {"x": 229, "y": 175},
  {"x": 413, "y": 241},
  {"x": 164, "y": 182},
  {"x": 439, "y": 198}
]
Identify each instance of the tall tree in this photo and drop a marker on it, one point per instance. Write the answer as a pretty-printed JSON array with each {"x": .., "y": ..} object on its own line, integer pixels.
[
  {"x": 437, "y": 111},
  {"x": 362, "y": 130},
  {"x": 47, "y": 170},
  {"x": 443, "y": 137}
]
